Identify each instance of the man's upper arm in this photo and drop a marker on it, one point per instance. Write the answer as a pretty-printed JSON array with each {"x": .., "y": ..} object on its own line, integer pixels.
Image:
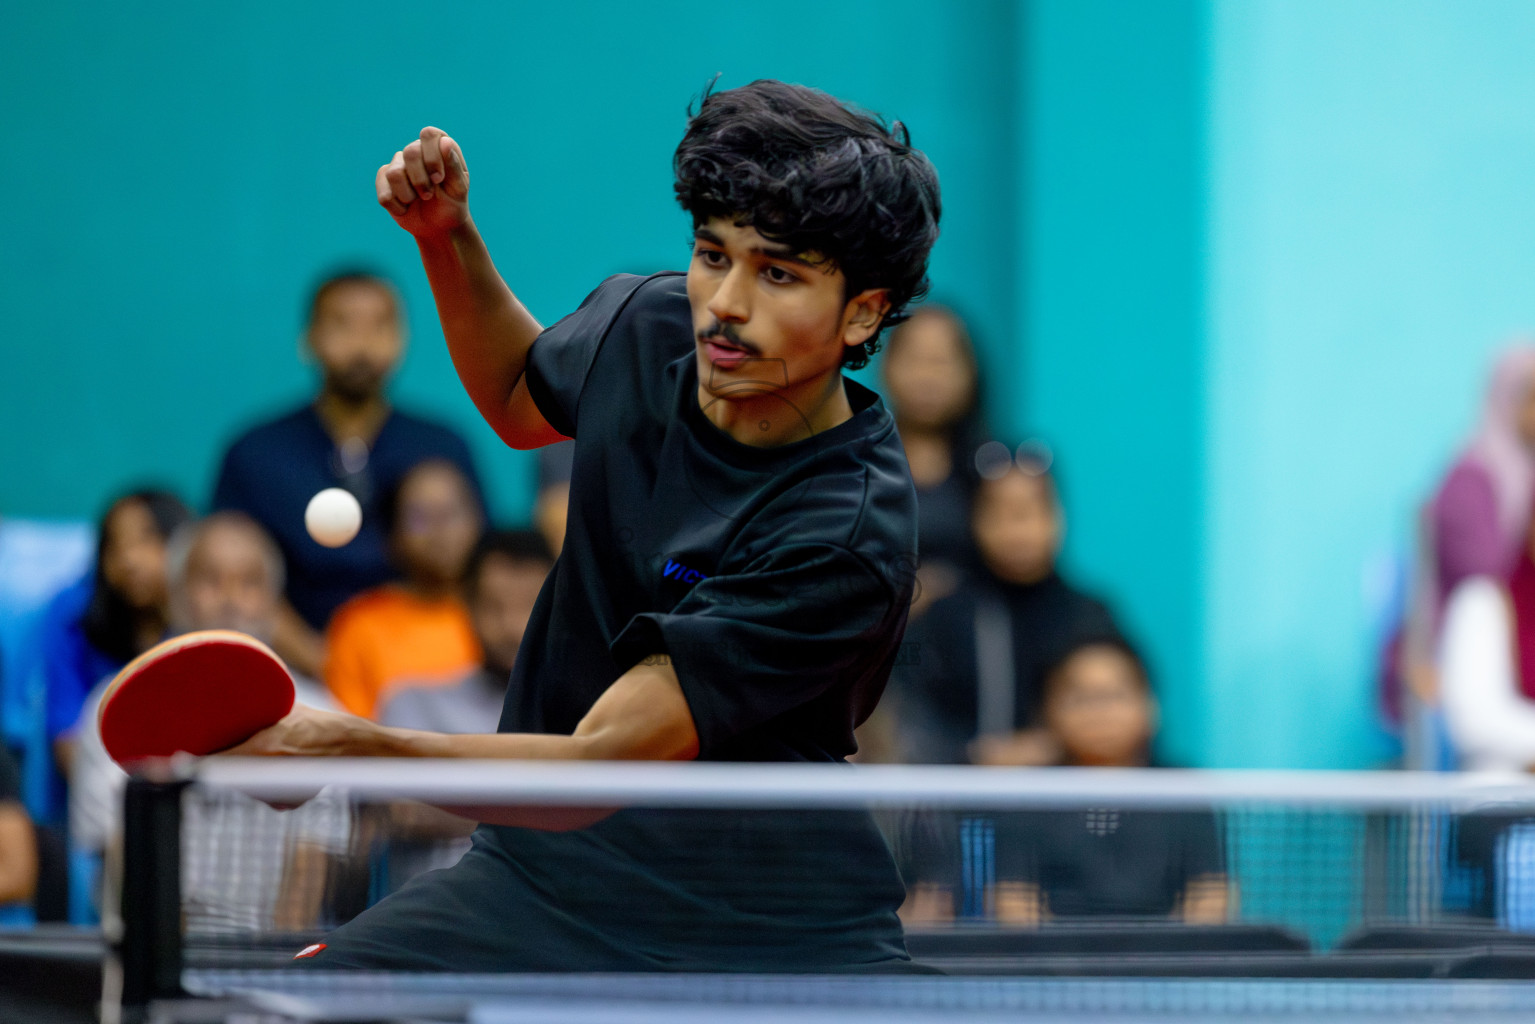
[{"x": 643, "y": 716}]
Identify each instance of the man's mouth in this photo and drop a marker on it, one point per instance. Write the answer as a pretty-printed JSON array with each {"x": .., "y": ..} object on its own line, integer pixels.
[{"x": 722, "y": 351}]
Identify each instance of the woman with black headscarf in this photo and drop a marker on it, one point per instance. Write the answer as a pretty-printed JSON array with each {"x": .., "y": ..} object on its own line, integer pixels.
[{"x": 969, "y": 683}]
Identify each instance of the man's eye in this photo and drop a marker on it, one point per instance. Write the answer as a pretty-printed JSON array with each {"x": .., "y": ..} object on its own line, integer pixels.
[
  {"x": 711, "y": 257},
  {"x": 778, "y": 275}
]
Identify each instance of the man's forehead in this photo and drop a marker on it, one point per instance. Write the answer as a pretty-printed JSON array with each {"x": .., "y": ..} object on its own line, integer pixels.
[
  {"x": 219, "y": 544},
  {"x": 351, "y": 296}
]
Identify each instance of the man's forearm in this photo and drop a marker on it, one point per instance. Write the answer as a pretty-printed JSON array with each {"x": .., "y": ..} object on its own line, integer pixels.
[
  {"x": 369, "y": 739},
  {"x": 487, "y": 329},
  {"x": 515, "y": 745},
  {"x": 643, "y": 716}
]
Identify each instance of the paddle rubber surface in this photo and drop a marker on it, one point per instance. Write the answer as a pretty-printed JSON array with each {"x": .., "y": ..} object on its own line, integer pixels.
[{"x": 199, "y": 693}]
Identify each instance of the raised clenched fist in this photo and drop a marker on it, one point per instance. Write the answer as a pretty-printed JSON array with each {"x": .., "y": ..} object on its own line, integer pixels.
[{"x": 426, "y": 186}]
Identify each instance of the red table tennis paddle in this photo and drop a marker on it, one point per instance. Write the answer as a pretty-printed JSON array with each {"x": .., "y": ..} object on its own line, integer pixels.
[{"x": 200, "y": 693}]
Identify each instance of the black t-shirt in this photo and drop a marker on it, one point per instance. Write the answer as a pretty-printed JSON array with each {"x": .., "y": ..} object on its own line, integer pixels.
[
  {"x": 272, "y": 471},
  {"x": 1106, "y": 861},
  {"x": 776, "y": 579}
]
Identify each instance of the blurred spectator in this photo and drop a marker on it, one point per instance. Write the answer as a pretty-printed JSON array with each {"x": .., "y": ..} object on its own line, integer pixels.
[
  {"x": 1475, "y": 523},
  {"x": 505, "y": 574},
  {"x": 258, "y": 869},
  {"x": 933, "y": 384},
  {"x": 1105, "y": 861},
  {"x": 417, "y": 630},
  {"x": 18, "y": 840},
  {"x": 95, "y": 627},
  {"x": 552, "y": 506},
  {"x": 348, "y": 436},
  {"x": 980, "y": 654},
  {"x": 1487, "y": 667}
]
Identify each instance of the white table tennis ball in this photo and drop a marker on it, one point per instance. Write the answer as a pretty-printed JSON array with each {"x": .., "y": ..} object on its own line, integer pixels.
[{"x": 333, "y": 517}]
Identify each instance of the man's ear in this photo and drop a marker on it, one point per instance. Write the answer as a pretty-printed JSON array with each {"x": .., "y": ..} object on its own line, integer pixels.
[{"x": 863, "y": 315}]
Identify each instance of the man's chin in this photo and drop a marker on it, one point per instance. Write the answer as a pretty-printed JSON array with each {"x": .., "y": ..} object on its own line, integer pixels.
[
  {"x": 748, "y": 375},
  {"x": 356, "y": 390}
]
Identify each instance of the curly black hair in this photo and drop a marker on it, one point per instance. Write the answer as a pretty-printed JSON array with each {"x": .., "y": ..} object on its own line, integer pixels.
[{"x": 812, "y": 173}]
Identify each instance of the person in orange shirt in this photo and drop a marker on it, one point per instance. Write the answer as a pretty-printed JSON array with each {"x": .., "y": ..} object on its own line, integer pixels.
[{"x": 419, "y": 628}]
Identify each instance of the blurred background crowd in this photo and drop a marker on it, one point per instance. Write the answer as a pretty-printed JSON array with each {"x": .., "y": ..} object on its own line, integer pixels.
[
  {"x": 1007, "y": 660},
  {"x": 1223, "y": 438}
]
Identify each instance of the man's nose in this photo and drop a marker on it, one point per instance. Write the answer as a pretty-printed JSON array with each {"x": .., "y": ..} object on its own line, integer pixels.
[{"x": 731, "y": 302}]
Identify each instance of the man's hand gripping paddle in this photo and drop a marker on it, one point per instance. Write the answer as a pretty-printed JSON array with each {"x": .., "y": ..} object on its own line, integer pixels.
[{"x": 199, "y": 693}]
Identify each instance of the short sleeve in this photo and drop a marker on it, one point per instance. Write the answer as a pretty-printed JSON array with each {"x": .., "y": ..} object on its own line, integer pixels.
[
  {"x": 562, "y": 356},
  {"x": 752, "y": 645}
]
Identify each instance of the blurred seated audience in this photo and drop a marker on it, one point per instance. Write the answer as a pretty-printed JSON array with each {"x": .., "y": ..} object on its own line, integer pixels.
[
  {"x": 1487, "y": 667},
  {"x": 1476, "y": 521},
  {"x": 224, "y": 573},
  {"x": 932, "y": 383},
  {"x": 502, "y": 582},
  {"x": 970, "y": 690},
  {"x": 347, "y": 436},
  {"x": 95, "y": 627},
  {"x": 1099, "y": 707},
  {"x": 416, "y": 631},
  {"x": 551, "y": 507}
]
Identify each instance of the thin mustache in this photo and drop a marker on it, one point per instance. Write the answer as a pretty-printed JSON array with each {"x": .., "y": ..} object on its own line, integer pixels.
[{"x": 728, "y": 333}]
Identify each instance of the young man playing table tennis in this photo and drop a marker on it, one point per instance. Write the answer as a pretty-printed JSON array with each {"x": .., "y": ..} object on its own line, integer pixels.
[{"x": 737, "y": 566}]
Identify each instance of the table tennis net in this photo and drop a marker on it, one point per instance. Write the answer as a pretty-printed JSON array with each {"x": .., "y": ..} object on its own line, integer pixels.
[{"x": 992, "y": 870}]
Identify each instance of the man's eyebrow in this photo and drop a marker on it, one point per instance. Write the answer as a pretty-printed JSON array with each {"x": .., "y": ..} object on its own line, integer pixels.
[
  {"x": 772, "y": 252},
  {"x": 783, "y": 252}
]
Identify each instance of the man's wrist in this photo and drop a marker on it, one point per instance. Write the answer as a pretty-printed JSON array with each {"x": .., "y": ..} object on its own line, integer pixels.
[
  {"x": 448, "y": 243},
  {"x": 364, "y": 738},
  {"x": 384, "y": 741}
]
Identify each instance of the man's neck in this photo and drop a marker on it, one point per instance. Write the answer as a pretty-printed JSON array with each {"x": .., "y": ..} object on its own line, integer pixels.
[
  {"x": 346, "y": 418},
  {"x": 766, "y": 417}
]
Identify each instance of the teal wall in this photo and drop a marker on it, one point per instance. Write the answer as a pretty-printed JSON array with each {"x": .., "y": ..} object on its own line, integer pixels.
[
  {"x": 1371, "y": 242},
  {"x": 192, "y": 169},
  {"x": 1241, "y": 262},
  {"x": 1113, "y": 314}
]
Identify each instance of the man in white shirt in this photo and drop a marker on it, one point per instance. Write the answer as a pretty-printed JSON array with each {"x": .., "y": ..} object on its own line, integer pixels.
[{"x": 245, "y": 866}]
